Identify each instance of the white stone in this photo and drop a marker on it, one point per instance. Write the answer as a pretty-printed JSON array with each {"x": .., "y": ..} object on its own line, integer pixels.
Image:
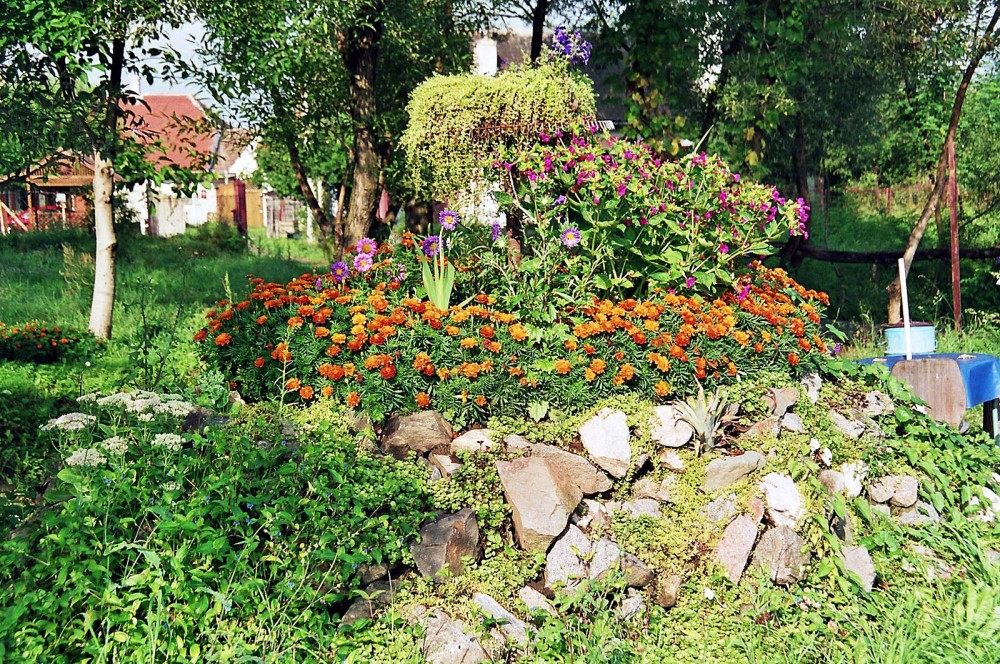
[
  {"x": 447, "y": 642},
  {"x": 849, "y": 427},
  {"x": 606, "y": 557},
  {"x": 669, "y": 429},
  {"x": 793, "y": 423},
  {"x": 565, "y": 562},
  {"x": 511, "y": 627},
  {"x": 855, "y": 474},
  {"x": 642, "y": 507},
  {"x": 605, "y": 436},
  {"x": 859, "y": 561},
  {"x": 785, "y": 505},
  {"x": 812, "y": 384},
  {"x": 632, "y": 605},
  {"x": 671, "y": 460},
  {"x": 723, "y": 471},
  {"x": 477, "y": 440}
]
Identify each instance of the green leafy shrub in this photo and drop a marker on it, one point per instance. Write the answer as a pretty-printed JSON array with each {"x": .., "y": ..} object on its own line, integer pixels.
[
  {"x": 154, "y": 545},
  {"x": 42, "y": 344}
]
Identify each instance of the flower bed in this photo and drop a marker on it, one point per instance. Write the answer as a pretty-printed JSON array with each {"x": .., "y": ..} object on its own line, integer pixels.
[
  {"x": 380, "y": 349},
  {"x": 33, "y": 343}
]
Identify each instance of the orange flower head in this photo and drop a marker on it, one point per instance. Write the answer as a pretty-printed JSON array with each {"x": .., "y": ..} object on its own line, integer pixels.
[
  {"x": 388, "y": 372},
  {"x": 261, "y": 320},
  {"x": 199, "y": 336},
  {"x": 327, "y": 391},
  {"x": 293, "y": 384},
  {"x": 563, "y": 367},
  {"x": 481, "y": 401},
  {"x": 306, "y": 392},
  {"x": 223, "y": 339},
  {"x": 423, "y": 399},
  {"x": 259, "y": 362},
  {"x": 518, "y": 332},
  {"x": 353, "y": 400}
]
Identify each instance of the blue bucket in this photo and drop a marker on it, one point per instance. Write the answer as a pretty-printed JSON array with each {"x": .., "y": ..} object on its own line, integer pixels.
[{"x": 922, "y": 339}]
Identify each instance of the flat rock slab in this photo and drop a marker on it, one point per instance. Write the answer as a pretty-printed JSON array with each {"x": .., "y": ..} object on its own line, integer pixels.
[
  {"x": 511, "y": 628},
  {"x": 859, "y": 561},
  {"x": 735, "y": 546},
  {"x": 900, "y": 490},
  {"x": 445, "y": 542},
  {"x": 723, "y": 471},
  {"x": 541, "y": 500},
  {"x": 851, "y": 428},
  {"x": 785, "y": 505},
  {"x": 535, "y": 601},
  {"x": 780, "y": 399},
  {"x": 769, "y": 428},
  {"x": 669, "y": 430},
  {"x": 779, "y": 553},
  {"x": 448, "y": 641},
  {"x": 721, "y": 510},
  {"x": 476, "y": 440},
  {"x": 671, "y": 460},
  {"x": 605, "y": 436},
  {"x": 565, "y": 564},
  {"x": 577, "y": 469},
  {"x": 420, "y": 432}
]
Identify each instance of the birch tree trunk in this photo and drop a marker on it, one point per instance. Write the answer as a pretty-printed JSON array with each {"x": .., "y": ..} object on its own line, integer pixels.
[{"x": 103, "y": 303}]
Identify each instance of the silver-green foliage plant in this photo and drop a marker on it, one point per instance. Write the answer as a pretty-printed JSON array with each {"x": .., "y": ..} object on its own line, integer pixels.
[
  {"x": 708, "y": 417},
  {"x": 458, "y": 123}
]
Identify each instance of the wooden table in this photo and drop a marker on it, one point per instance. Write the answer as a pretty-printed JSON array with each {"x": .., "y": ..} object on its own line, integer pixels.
[{"x": 951, "y": 383}]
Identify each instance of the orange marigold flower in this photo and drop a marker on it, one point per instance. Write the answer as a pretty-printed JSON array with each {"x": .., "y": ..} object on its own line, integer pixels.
[
  {"x": 338, "y": 338},
  {"x": 518, "y": 332},
  {"x": 388, "y": 371},
  {"x": 468, "y": 342},
  {"x": 259, "y": 362},
  {"x": 452, "y": 331},
  {"x": 423, "y": 399},
  {"x": 481, "y": 401},
  {"x": 589, "y": 349},
  {"x": 804, "y": 344},
  {"x": 281, "y": 353},
  {"x": 353, "y": 400},
  {"x": 589, "y": 375},
  {"x": 306, "y": 392},
  {"x": 662, "y": 388},
  {"x": 758, "y": 347},
  {"x": 327, "y": 391},
  {"x": 223, "y": 339},
  {"x": 793, "y": 359},
  {"x": 333, "y": 350},
  {"x": 199, "y": 336},
  {"x": 619, "y": 356},
  {"x": 293, "y": 384},
  {"x": 294, "y": 321},
  {"x": 570, "y": 344},
  {"x": 598, "y": 366},
  {"x": 486, "y": 331},
  {"x": 321, "y": 332},
  {"x": 261, "y": 320},
  {"x": 563, "y": 367}
]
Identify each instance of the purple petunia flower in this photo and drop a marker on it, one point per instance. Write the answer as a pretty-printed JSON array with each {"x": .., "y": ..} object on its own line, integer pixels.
[
  {"x": 340, "y": 272},
  {"x": 363, "y": 263},
  {"x": 448, "y": 219},
  {"x": 570, "y": 237},
  {"x": 431, "y": 245},
  {"x": 366, "y": 247}
]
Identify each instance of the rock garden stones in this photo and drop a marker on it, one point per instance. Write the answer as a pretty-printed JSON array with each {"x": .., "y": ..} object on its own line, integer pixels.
[
  {"x": 511, "y": 628},
  {"x": 443, "y": 544},
  {"x": 779, "y": 553},
  {"x": 647, "y": 487},
  {"x": 811, "y": 385},
  {"x": 447, "y": 641},
  {"x": 541, "y": 500},
  {"x": 535, "y": 601},
  {"x": 605, "y": 436},
  {"x": 859, "y": 561},
  {"x": 667, "y": 590},
  {"x": 768, "y": 428},
  {"x": 899, "y": 490},
  {"x": 735, "y": 546},
  {"x": 780, "y": 399},
  {"x": 671, "y": 460},
  {"x": 578, "y": 470},
  {"x": 476, "y": 440},
  {"x": 850, "y": 427},
  {"x": 785, "y": 505},
  {"x": 565, "y": 563},
  {"x": 669, "y": 429},
  {"x": 420, "y": 432},
  {"x": 723, "y": 471},
  {"x": 721, "y": 510},
  {"x": 920, "y": 514}
]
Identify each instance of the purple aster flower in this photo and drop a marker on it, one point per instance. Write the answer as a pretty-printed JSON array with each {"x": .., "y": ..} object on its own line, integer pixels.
[
  {"x": 362, "y": 263},
  {"x": 689, "y": 282},
  {"x": 495, "y": 232},
  {"x": 743, "y": 293},
  {"x": 431, "y": 245},
  {"x": 448, "y": 220},
  {"x": 400, "y": 276},
  {"x": 570, "y": 237},
  {"x": 366, "y": 247},
  {"x": 340, "y": 272}
]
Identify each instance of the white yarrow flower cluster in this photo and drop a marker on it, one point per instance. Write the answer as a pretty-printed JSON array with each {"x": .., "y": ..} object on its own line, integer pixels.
[
  {"x": 170, "y": 441},
  {"x": 88, "y": 398},
  {"x": 69, "y": 422},
  {"x": 149, "y": 403},
  {"x": 115, "y": 445},
  {"x": 86, "y": 457}
]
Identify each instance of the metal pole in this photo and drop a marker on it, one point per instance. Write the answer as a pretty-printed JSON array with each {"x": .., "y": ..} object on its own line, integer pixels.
[{"x": 956, "y": 286}]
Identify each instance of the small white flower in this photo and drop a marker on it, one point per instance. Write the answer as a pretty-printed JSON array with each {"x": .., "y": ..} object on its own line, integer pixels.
[
  {"x": 813, "y": 445},
  {"x": 709, "y": 594},
  {"x": 69, "y": 422},
  {"x": 86, "y": 457},
  {"x": 171, "y": 486},
  {"x": 145, "y": 417},
  {"x": 826, "y": 456},
  {"x": 171, "y": 441},
  {"x": 115, "y": 445}
]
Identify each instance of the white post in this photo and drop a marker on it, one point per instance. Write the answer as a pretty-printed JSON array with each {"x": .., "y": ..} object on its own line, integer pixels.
[{"x": 906, "y": 309}]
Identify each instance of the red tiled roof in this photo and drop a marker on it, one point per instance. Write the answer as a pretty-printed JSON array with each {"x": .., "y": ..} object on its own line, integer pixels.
[{"x": 178, "y": 122}]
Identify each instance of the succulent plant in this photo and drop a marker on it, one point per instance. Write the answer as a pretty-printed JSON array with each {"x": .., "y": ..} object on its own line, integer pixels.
[{"x": 708, "y": 417}]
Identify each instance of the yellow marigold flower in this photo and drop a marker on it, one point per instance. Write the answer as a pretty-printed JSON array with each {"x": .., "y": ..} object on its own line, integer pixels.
[{"x": 468, "y": 342}]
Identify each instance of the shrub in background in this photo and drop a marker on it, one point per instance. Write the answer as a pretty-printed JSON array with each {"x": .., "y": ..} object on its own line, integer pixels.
[{"x": 32, "y": 342}]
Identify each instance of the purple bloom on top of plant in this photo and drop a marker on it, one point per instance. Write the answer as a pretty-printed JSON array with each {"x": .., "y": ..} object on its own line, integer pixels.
[
  {"x": 689, "y": 282},
  {"x": 400, "y": 276},
  {"x": 319, "y": 283},
  {"x": 340, "y": 272},
  {"x": 736, "y": 177},
  {"x": 431, "y": 245},
  {"x": 366, "y": 247},
  {"x": 448, "y": 220},
  {"x": 363, "y": 263},
  {"x": 723, "y": 248},
  {"x": 560, "y": 200},
  {"x": 743, "y": 292},
  {"x": 495, "y": 231},
  {"x": 570, "y": 237}
]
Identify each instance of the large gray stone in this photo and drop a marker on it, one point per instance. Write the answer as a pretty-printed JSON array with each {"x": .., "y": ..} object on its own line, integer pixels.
[
  {"x": 632, "y": 605},
  {"x": 447, "y": 641},
  {"x": 833, "y": 480},
  {"x": 669, "y": 430},
  {"x": 851, "y": 428},
  {"x": 541, "y": 500},
  {"x": 605, "y": 557},
  {"x": 721, "y": 510},
  {"x": 605, "y": 436},
  {"x": 444, "y": 542},
  {"x": 535, "y": 601},
  {"x": 877, "y": 403},
  {"x": 735, "y": 546},
  {"x": 580, "y": 471},
  {"x": 857, "y": 560},
  {"x": 380, "y": 595},
  {"x": 565, "y": 562},
  {"x": 793, "y": 423},
  {"x": 779, "y": 553},
  {"x": 647, "y": 487},
  {"x": 723, "y": 471},
  {"x": 900, "y": 490},
  {"x": 920, "y": 514},
  {"x": 785, "y": 505},
  {"x": 637, "y": 575},
  {"x": 780, "y": 399},
  {"x": 511, "y": 628},
  {"x": 419, "y": 432}
]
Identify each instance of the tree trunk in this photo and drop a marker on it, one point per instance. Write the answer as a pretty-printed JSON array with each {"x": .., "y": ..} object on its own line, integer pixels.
[
  {"x": 360, "y": 55},
  {"x": 791, "y": 254},
  {"x": 103, "y": 303},
  {"x": 538, "y": 16},
  {"x": 326, "y": 228},
  {"x": 986, "y": 44}
]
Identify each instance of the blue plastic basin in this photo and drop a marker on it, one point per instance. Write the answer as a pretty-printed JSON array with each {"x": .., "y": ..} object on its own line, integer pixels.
[{"x": 922, "y": 339}]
